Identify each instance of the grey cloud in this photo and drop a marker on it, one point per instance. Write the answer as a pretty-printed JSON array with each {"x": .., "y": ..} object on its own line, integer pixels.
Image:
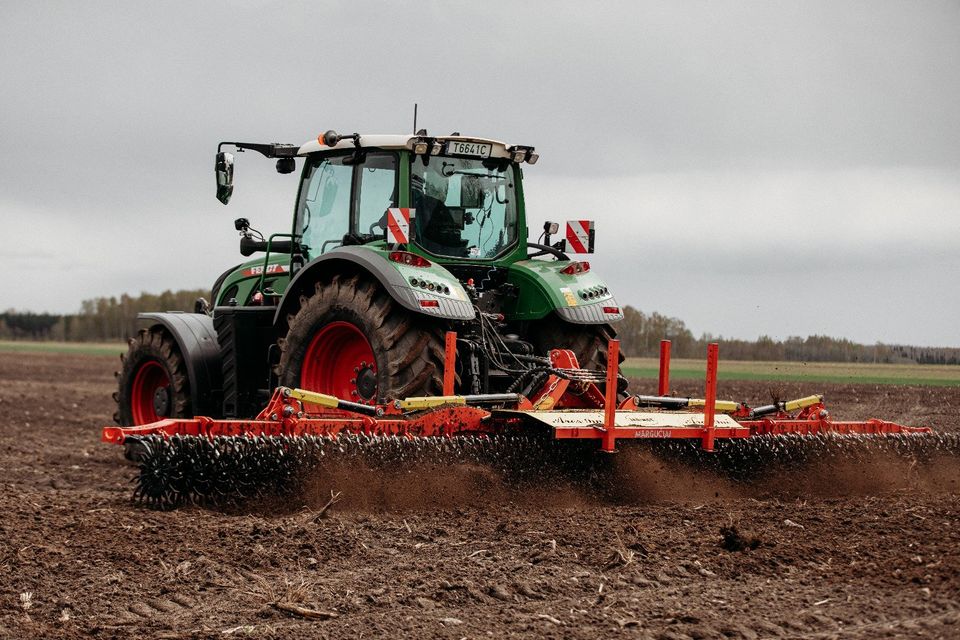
[{"x": 111, "y": 111}]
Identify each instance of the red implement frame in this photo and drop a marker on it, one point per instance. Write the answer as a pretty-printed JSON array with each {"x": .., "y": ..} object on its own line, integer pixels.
[
  {"x": 568, "y": 407},
  {"x": 663, "y": 384},
  {"x": 449, "y": 363},
  {"x": 610, "y": 402},
  {"x": 710, "y": 408}
]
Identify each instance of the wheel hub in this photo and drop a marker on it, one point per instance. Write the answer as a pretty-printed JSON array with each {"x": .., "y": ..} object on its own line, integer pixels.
[
  {"x": 366, "y": 382},
  {"x": 151, "y": 394},
  {"x": 161, "y": 401}
]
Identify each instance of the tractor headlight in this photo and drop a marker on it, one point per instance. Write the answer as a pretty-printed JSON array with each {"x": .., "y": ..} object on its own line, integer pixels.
[
  {"x": 436, "y": 149},
  {"x": 519, "y": 153},
  {"x": 420, "y": 147}
]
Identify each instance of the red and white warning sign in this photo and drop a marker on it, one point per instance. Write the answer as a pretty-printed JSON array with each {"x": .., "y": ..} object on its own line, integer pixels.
[
  {"x": 398, "y": 225},
  {"x": 580, "y": 236}
]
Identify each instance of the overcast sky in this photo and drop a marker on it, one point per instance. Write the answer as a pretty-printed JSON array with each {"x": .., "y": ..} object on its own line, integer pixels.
[{"x": 780, "y": 168}]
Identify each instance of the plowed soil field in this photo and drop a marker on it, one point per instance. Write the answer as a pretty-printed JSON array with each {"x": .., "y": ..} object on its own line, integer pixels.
[{"x": 851, "y": 552}]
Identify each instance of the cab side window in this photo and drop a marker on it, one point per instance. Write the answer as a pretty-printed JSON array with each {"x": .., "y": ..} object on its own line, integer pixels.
[
  {"x": 377, "y": 192},
  {"x": 324, "y": 211}
]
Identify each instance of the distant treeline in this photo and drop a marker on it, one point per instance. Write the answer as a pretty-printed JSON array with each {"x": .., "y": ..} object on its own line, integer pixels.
[
  {"x": 115, "y": 319},
  {"x": 100, "y": 320},
  {"x": 640, "y": 335}
]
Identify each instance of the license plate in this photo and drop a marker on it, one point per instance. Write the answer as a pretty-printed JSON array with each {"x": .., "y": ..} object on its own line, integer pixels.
[{"x": 474, "y": 149}]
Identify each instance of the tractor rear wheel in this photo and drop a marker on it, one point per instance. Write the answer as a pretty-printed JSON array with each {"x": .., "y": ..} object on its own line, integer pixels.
[
  {"x": 153, "y": 383},
  {"x": 351, "y": 340}
]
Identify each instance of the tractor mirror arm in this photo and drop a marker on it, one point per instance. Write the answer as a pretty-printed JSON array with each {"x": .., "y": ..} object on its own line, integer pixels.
[
  {"x": 285, "y": 154},
  {"x": 268, "y": 150}
]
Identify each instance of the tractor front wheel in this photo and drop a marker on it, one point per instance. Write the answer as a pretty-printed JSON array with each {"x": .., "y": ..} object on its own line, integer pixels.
[
  {"x": 153, "y": 383},
  {"x": 351, "y": 340}
]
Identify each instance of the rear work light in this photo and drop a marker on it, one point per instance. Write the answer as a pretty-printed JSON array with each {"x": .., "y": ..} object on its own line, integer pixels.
[
  {"x": 520, "y": 153},
  {"x": 412, "y": 259},
  {"x": 575, "y": 267},
  {"x": 429, "y": 303}
]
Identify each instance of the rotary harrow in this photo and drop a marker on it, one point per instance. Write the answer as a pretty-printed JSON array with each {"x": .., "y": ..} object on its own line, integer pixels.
[{"x": 569, "y": 422}]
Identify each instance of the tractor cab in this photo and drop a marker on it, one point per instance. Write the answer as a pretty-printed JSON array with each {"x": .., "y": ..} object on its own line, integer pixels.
[{"x": 462, "y": 196}]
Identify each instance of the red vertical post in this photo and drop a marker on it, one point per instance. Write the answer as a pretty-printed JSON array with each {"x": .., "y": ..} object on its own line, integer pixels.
[
  {"x": 610, "y": 401},
  {"x": 663, "y": 387},
  {"x": 449, "y": 363},
  {"x": 710, "y": 407}
]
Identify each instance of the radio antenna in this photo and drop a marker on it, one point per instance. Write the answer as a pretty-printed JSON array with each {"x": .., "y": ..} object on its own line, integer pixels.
[{"x": 414, "y": 117}]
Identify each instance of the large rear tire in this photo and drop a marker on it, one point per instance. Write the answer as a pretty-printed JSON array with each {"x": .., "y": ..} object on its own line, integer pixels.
[
  {"x": 350, "y": 339},
  {"x": 153, "y": 383},
  {"x": 587, "y": 341}
]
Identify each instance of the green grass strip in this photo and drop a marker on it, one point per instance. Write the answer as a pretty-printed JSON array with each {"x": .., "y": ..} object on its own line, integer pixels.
[
  {"x": 693, "y": 374},
  {"x": 81, "y": 348}
]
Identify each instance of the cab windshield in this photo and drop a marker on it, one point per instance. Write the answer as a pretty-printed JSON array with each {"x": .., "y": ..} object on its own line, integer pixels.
[{"x": 464, "y": 207}]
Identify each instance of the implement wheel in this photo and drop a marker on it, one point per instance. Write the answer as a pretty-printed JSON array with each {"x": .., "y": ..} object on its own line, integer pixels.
[
  {"x": 153, "y": 383},
  {"x": 351, "y": 340}
]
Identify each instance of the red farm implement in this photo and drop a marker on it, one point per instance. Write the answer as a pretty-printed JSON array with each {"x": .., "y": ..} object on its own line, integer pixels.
[{"x": 208, "y": 460}]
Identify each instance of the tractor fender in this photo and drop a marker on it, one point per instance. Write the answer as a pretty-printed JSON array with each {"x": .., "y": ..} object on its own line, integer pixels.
[
  {"x": 581, "y": 298},
  {"x": 357, "y": 258},
  {"x": 197, "y": 340}
]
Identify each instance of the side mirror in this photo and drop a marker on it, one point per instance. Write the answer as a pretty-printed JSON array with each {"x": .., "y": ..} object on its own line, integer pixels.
[{"x": 224, "y": 169}]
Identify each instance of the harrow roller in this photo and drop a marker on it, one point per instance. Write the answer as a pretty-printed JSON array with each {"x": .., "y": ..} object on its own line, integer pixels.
[
  {"x": 228, "y": 470},
  {"x": 754, "y": 458}
]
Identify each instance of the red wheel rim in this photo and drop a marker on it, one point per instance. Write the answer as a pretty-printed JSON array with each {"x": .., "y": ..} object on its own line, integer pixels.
[
  {"x": 340, "y": 362},
  {"x": 150, "y": 379}
]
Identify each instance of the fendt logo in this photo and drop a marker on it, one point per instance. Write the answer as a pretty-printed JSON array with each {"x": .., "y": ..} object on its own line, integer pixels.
[{"x": 271, "y": 268}]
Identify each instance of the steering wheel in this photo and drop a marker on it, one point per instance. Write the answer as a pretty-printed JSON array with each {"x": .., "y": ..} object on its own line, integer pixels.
[
  {"x": 323, "y": 247},
  {"x": 544, "y": 250}
]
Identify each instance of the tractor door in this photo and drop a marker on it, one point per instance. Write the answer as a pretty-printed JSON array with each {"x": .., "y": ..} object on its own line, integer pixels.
[
  {"x": 343, "y": 201},
  {"x": 377, "y": 192},
  {"x": 323, "y": 213}
]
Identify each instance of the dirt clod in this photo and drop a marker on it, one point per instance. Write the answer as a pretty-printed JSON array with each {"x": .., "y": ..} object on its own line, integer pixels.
[{"x": 733, "y": 540}]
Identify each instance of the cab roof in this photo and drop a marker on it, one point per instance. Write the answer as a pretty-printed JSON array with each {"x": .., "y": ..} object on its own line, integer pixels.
[{"x": 399, "y": 141}]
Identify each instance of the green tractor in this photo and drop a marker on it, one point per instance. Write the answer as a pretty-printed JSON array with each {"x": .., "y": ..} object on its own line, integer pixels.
[{"x": 396, "y": 240}]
